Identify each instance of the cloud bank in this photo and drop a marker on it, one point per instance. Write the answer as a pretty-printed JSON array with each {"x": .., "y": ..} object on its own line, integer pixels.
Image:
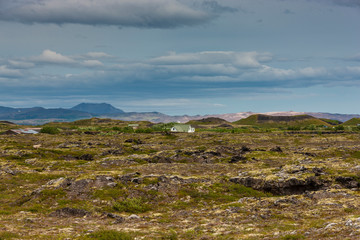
[
  {"x": 197, "y": 70},
  {"x": 122, "y": 13}
]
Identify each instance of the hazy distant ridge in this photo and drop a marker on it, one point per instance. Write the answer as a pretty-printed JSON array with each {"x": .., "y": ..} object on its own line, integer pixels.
[
  {"x": 97, "y": 108},
  {"x": 37, "y": 115}
]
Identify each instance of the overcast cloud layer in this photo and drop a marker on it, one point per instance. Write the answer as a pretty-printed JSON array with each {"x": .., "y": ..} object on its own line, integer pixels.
[
  {"x": 182, "y": 57},
  {"x": 122, "y": 13}
]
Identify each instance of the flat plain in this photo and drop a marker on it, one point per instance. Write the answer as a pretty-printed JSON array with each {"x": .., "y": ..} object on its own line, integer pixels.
[{"x": 97, "y": 179}]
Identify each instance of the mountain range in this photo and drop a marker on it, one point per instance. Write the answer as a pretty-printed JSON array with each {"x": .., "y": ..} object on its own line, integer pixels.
[{"x": 40, "y": 115}]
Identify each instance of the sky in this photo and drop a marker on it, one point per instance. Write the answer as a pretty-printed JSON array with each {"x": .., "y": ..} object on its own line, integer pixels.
[{"x": 182, "y": 56}]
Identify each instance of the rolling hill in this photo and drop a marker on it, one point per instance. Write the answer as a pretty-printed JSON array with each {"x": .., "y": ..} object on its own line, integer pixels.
[
  {"x": 352, "y": 122},
  {"x": 208, "y": 121},
  {"x": 262, "y": 120}
]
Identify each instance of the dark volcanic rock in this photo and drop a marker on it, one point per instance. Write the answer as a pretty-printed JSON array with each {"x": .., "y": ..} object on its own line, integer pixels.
[
  {"x": 136, "y": 141},
  {"x": 87, "y": 157},
  {"x": 129, "y": 177},
  {"x": 276, "y": 149},
  {"x": 69, "y": 212},
  {"x": 348, "y": 182},
  {"x": 287, "y": 187},
  {"x": 245, "y": 149},
  {"x": 81, "y": 188},
  {"x": 113, "y": 152},
  {"x": 118, "y": 218},
  {"x": 237, "y": 158}
]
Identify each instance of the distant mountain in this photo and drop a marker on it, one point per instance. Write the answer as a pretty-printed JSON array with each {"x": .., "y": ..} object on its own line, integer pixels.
[
  {"x": 56, "y": 113},
  {"x": 40, "y": 115},
  {"x": 97, "y": 108},
  {"x": 6, "y": 110}
]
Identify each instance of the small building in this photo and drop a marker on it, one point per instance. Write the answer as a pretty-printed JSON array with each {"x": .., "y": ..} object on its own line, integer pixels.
[
  {"x": 182, "y": 128},
  {"x": 134, "y": 126}
]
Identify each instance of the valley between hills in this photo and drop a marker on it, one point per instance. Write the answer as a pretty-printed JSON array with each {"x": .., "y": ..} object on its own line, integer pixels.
[{"x": 261, "y": 177}]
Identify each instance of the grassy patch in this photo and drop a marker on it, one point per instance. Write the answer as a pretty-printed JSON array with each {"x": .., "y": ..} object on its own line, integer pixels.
[
  {"x": 8, "y": 235},
  {"x": 110, "y": 193},
  {"x": 132, "y": 205},
  {"x": 219, "y": 192},
  {"x": 47, "y": 194},
  {"x": 356, "y": 155},
  {"x": 293, "y": 237},
  {"x": 110, "y": 235},
  {"x": 172, "y": 235}
]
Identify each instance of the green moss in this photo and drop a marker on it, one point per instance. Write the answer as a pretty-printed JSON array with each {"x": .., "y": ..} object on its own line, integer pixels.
[
  {"x": 109, "y": 193},
  {"x": 220, "y": 192},
  {"x": 172, "y": 235},
  {"x": 349, "y": 210},
  {"x": 8, "y": 235},
  {"x": 47, "y": 194},
  {"x": 110, "y": 235},
  {"x": 356, "y": 155},
  {"x": 132, "y": 205},
  {"x": 36, "y": 208},
  {"x": 150, "y": 181},
  {"x": 293, "y": 237}
]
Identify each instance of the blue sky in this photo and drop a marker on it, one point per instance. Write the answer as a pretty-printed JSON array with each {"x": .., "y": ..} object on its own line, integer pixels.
[{"x": 182, "y": 56}]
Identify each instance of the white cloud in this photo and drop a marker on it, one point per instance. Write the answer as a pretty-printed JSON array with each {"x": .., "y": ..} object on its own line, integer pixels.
[
  {"x": 49, "y": 56},
  {"x": 21, "y": 64},
  {"x": 97, "y": 55},
  {"x": 313, "y": 72},
  {"x": 127, "y": 13},
  {"x": 54, "y": 58},
  {"x": 5, "y": 72},
  {"x": 92, "y": 63},
  {"x": 238, "y": 59}
]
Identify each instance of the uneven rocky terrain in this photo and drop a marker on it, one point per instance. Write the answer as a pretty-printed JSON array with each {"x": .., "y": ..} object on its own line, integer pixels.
[{"x": 91, "y": 180}]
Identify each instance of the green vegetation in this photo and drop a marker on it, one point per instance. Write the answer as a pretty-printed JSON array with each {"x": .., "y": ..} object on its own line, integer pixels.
[
  {"x": 331, "y": 121},
  {"x": 219, "y": 192},
  {"x": 208, "y": 121},
  {"x": 132, "y": 205},
  {"x": 293, "y": 237},
  {"x": 49, "y": 130},
  {"x": 352, "y": 122},
  {"x": 85, "y": 181},
  {"x": 283, "y": 122},
  {"x": 110, "y": 235},
  {"x": 8, "y": 235}
]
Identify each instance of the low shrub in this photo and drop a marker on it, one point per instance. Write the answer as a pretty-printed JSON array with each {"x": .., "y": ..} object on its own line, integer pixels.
[
  {"x": 132, "y": 205},
  {"x": 49, "y": 130},
  {"x": 110, "y": 235}
]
